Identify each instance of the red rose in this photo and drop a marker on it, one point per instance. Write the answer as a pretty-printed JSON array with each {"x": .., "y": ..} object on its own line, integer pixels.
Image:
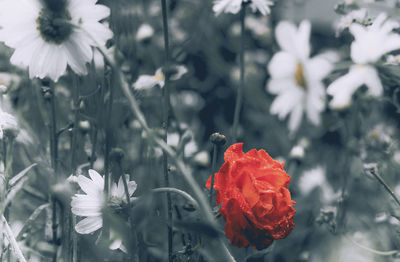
[{"x": 256, "y": 203}]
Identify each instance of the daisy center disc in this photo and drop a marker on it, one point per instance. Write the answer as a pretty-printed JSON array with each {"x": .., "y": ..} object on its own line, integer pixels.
[
  {"x": 299, "y": 77},
  {"x": 54, "y": 27}
]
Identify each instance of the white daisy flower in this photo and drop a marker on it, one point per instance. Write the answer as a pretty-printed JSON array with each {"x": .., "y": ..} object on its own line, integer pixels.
[
  {"x": 150, "y": 81},
  {"x": 233, "y": 6},
  {"x": 370, "y": 44},
  {"x": 47, "y": 40},
  {"x": 316, "y": 178},
  {"x": 392, "y": 60},
  {"x": 90, "y": 205},
  {"x": 7, "y": 123},
  {"x": 296, "y": 78},
  {"x": 144, "y": 32},
  {"x": 359, "y": 16}
]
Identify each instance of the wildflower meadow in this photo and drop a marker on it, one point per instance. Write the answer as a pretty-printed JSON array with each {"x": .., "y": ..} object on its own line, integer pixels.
[{"x": 200, "y": 131}]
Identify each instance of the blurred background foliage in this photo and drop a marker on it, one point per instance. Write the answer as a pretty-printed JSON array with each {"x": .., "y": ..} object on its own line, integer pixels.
[{"x": 334, "y": 194}]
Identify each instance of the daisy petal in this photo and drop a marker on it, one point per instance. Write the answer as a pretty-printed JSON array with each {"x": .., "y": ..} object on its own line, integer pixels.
[{"x": 89, "y": 225}]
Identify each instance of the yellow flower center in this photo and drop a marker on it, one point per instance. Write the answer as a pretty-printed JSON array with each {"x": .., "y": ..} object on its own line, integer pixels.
[
  {"x": 299, "y": 76},
  {"x": 159, "y": 77}
]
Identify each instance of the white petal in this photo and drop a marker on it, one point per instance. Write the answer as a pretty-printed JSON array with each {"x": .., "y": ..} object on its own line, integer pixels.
[
  {"x": 117, "y": 243},
  {"x": 295, "y": 118},
  {"x": 96, "y": 178},
  {"x": 79, "y": 52},
  {"x": 86, "y": 205},
  {"x": 283, "y": 64},
  {"x": 277, "y": 86},
  {"x": 343, "y": 88},
  {"x": 146, "y": 82},
  {"x": 227, "y": 6},
  {"x": 262, "y": 6},
  {"x": 318, "y": 67},
  {"x": 88, "y": 186},
  {"x": 89, "y": 225},
  {"x": 286, "y": 102},
  {"x": 373, "y": 82},
  {"x": 285, "y": 33},
  {"x": 315, "y": 102},
  {"x": 303, "y": 39},
  {"x": 292, "y": 40}
]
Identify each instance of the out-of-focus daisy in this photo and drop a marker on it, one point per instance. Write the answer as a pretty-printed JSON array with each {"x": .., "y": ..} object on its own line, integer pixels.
[
  {"x": 392, "y": 60},
  {"x": 370, "y": 44},
  {"x": 359, "y": 16},
  {"x": 8, "y": 123},
  {"x": 48, "y": 37},
  {"x": 150, "y": 81},
  {"x": 315, "y": 178},
  {"x": 296, "y": 78},
  {"x": 90, "y": 205},
  {"x": 233, "y": 6},
  {"x": 144, "y": 32}
]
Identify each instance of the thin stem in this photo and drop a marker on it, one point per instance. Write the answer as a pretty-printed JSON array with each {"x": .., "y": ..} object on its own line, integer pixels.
[
  {"x": 166, "y": 109},
  {"x": 203, "y": 203},
  {"x": 377, "y": 252},
  {"x": 94, "y": 146},
  {"x": 54, "y": 159},
  {"x": 108, "y": 135},
  {"x": 76, "y": 123},
  {"x": 13, "y": 242},
  {"x": 133, "y": 235},
  {"x": 239, "y": 95},
  {"x": 177, "y": 191},
  {"x": 373, "y": 170},
  {"x": 71, "y": 219},
  {"x": 214, "y": 163}
]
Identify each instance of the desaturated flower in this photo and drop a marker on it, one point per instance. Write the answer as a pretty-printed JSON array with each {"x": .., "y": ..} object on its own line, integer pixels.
[
  {"x": 315, "y": 178},
  {"x": 6, "y": 79},
  {"x": 296, "y": 78},
  {"x": 144, "y": 32},
  {"x": 48, "y": 39},
  {"x": 8, "y": 123},
  {"x": 233, "y": 6},
  {"x": 392, "y": 60},
  {"x": 345, "y": 21},
  {"x": 90, "y": 205},
  {"x": 150, "y": 81},
  {"x": 370, "y": 44}
]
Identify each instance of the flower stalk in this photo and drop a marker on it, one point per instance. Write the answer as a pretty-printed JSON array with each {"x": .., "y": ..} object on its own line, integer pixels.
[
  {"x": 13, "y": 242},
  {"x": 165, "y": 124},
  {"x": 239, "y": 95},
  {"x": 71, "y": 251},
  {"x": 54, "y": 159}
]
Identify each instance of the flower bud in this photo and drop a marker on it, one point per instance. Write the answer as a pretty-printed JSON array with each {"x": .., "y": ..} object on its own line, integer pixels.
[{"x": 218, "y": 139}]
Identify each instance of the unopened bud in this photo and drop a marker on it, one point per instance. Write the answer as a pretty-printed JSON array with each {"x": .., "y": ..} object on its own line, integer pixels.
[
  {"x": 218, "y": 139},
  {"x": 117, "y": 154}
]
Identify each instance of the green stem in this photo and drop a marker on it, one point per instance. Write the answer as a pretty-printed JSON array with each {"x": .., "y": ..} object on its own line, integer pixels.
[
  {"x": 177, "y": 191},
  {"x": 71, "y": 250},
  {"x": 133, "y": 235},
  {"x": 76, "y": 122},
  {"x": 11, "y": 238},
  {"x": 108, "y": 130},
  {"x": 54, "y": 159},
  {"x": 373, "y": 170},
  {"x": 214, "y": 163},
  {"x": 166, "y": 109},
  {"x": 239, "y": 95}
]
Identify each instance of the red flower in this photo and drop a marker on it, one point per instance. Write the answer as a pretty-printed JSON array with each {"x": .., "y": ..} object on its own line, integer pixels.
[{"x": 256, "y": 203}]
